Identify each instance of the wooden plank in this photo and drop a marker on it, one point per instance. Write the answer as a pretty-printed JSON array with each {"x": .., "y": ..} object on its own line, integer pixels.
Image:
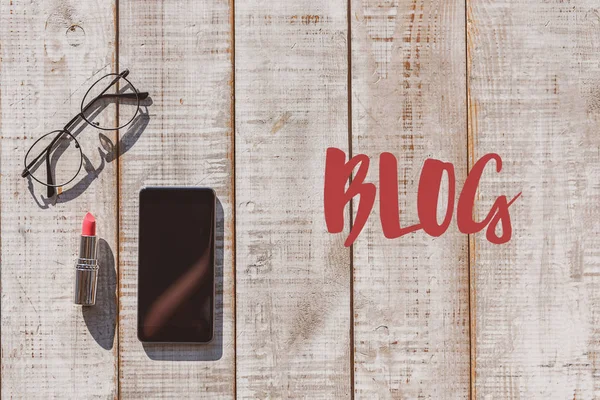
[
  {"x": 411, "y": 313},
  {"x": 181, "y": 53},
  {"x": 534, "y": 79},
  {"x": 293, "y": 296},
  {"x": 51, "y": 52}
]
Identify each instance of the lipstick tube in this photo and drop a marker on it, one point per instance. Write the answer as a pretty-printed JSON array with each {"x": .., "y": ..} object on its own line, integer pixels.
[{"x": 86, "y": 270}]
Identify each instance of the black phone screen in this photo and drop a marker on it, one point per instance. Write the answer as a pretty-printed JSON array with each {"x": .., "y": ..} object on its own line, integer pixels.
[{"x": 176, "y": 265}]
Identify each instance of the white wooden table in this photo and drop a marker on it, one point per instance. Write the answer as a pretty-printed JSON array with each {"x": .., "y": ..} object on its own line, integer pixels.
[{"x": 246, "y": 98}]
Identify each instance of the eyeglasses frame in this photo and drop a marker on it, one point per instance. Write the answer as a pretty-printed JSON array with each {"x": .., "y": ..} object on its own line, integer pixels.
[{"x": 66, "y": 130}]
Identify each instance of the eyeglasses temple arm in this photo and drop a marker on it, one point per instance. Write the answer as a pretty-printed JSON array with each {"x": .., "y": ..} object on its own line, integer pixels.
[
  {"x": 51, "y": 189},
  {"x": 49, "y": 179},
  {"x": 140, "y": 95}
]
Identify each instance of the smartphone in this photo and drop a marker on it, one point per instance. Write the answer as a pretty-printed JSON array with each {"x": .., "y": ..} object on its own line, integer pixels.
[{"x": 176, "y": 274}]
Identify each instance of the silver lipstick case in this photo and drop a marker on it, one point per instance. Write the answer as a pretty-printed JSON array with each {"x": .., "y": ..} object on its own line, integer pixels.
[{"x": 86, "y": 272}]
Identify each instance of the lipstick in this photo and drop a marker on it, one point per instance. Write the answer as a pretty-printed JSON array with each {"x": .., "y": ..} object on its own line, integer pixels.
[{"x": 86, "y": 270}]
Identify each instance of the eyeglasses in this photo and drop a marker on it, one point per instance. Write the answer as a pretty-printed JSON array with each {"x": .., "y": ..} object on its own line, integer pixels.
[{"x": 109, "y": 97}]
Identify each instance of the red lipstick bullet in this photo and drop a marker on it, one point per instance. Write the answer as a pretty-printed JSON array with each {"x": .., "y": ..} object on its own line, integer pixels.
[
  {"x": 88, "y": 228},
  {"x": 86, "y": 270}
]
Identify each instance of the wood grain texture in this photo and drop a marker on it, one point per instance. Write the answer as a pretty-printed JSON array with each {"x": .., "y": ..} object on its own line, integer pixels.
[
  {"x": 293, "y": 296},
  {"x": 411, "y": 312},
  {"x": 534, "y": 99},
  {"x": 181, "y": 53},
  {"x": 50, "y": 53}
]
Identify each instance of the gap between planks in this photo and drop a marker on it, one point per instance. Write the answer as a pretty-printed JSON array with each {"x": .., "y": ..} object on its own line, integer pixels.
[{"x": 350, "y": 208}]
